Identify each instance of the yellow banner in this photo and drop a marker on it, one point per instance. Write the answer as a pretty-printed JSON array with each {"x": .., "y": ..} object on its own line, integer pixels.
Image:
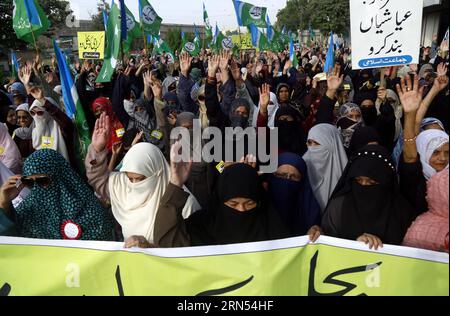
[
  {"x": 291, "y": 267},
  {"x": 91, "y": 45},
  {"x": 246, "y": 41}
]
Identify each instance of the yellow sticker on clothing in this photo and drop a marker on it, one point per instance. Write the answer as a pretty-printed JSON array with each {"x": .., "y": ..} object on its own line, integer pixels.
[
  {"x": 157, "y": 134},
  {"x": 220, "y": 166},
  {"x": 47, "y": 142},
  {"x": 2, "y": 150},
  {"x": 120, "y": 132}
]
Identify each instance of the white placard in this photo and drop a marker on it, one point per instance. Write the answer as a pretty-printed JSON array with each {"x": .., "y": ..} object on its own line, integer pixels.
[{"x": 385, "y": 32}]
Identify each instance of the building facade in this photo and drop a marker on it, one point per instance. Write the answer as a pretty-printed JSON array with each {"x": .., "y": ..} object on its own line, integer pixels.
[{"x": 435, "y": 20}]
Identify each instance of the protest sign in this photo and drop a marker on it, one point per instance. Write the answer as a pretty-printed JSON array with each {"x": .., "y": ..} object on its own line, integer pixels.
[
  {"x": 91, "y": 45},
  {"x": 385, "y": 32}
]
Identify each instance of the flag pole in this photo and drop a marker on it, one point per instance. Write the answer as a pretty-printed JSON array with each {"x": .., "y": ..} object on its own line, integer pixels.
[
  {"x": 240, "y": 37},
  {"x": 34, "y": 39}
]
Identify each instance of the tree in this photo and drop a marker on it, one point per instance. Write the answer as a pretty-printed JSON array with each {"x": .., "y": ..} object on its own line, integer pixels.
[
  {"x": 97, "y": 19},
  {"x": 333, "y": 15},
  {"x": 56, "y": 10},
  {"x": 294, "y": 16},
  {"x": 326, "y": 15}
]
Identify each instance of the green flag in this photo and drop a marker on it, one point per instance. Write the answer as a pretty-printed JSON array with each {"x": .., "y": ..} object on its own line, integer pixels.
[
  {"x": 112, "y": 50},
  {"x": 208, "y": 28},
  {"x": 221, "y": 42},
  {"x": 150, "y": 20},
  {"x": 277, "y": 44},
  {"x": 248, "y": 14},
  {"x": 161, "y": 47},
  {"x": 259, "y": 40},
  {"x": 29, "y": 20},
  {"x": 133, "y": 31},
  {"x": 192, "y": 47}
]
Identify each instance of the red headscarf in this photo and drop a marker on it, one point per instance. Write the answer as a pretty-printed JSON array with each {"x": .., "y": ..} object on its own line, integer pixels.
[{"x": 117, "y": 129}]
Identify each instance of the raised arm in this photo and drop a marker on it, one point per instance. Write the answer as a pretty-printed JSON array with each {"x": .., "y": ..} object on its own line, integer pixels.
[
  {"x": 410, "y": 97},
  {"x": 96, "y": 162},
  {"x": 440, "y": 83}
]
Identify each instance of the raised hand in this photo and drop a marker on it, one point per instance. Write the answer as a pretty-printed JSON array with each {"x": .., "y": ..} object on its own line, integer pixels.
[
  {"x": 185, "y": 63},
  {"x": 264, "y": 98},
  {"x": 213, "y": 65},
  {"x": 382, "y": 93},
  {"x": 179, "y": 170},
  {"x": 334, "y": 81},
  {"x": 287, "y": 66},
  {"x": 236, "y": 71},
  {"x": 259, "y": 67},
  {"x": 147, "y": 77},
  {"x": 25, "y": 75},
  {"x": 225, "y": 57},
  {"x": 410, "y": 94},
  {"x": 441, "y": 82},
  {"x": 101, "y": 133},
  {"x": 117, "y": 149},
  {"x": 157, "y": 89},
  {"x": 37, "y": 93},
  {"x": 138, "y": 138}
]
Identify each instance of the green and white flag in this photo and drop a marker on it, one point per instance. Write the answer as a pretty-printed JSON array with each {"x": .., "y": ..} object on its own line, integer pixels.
[
  {"x": 133, "y": 31},
  {"x": 161, "y": 47},
  {"x": 150, "y": 20},
  {"x": 192, "y": 47},
  {"x": 112, "y": 51},
  {"x": 29, "y": 20},
  {"x": 221, "y": 42},
  {"x": 277, "y": 44},
  {"x": 259, "y": 40},
  {"x": 208, "y": 27},
  {"x": 248, "y": 14}
]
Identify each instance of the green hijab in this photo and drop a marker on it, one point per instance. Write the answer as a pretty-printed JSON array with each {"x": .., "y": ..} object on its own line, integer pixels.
[{"x": 67, "y": 200}]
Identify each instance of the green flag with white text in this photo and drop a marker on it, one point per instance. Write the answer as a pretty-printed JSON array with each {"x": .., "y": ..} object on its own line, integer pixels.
[
  {"x": 133, "y": 31},
  {"x": 150, "y": 20},
  {"x": 112, "y": 50},
  {"x": 29, "y": 20},
  {"x": 248, "y": 14}
]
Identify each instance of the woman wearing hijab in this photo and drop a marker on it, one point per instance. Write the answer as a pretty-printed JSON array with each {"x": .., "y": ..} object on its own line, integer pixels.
[
  {"x": 135, "y": 192},
  {"x": 433, "y": 149},
  {"x": 264, "y": 115},
  {"x": 430, "y": 230},
  {"x": 142, "y": 117},
  {"x": 23, "y": 134},
  {"x": 291, "y": 137},
  {"x": 60, "y": 205},
  {"x": 9, "y": 153},
  {"x": 53, "y": 129},
  {"x": 326, "y": 160},
  {"x": 292, "y": 196},
  {"x": 8, "y": 117},
  {"x": 363, "y": 136},
  {"x": 238, "y": 213},
  {"x": 366, "y": 204},
  {"x": 103, "y": 105},
  {"x": 350, "y": 118}
]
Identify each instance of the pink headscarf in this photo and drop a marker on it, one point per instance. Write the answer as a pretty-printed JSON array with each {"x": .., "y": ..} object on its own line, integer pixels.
[
  {"x": 430, "y": 230},
  {"x": 9, "y": 152}
]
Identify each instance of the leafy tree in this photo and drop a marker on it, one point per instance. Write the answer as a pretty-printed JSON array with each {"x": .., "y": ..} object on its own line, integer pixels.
[
  {"x": 326, "y": 15},
  {"x": 294, "y": 16},
  {"x": 330, "y": 15},
  {"x": 55, "y": 10},
  {"x": 97, "y": 19}
]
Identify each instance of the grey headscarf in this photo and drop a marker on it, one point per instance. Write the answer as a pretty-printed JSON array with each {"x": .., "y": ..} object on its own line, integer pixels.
[
  {"x": 326, "y": 162},
  {"x": 347, "y": 132}
]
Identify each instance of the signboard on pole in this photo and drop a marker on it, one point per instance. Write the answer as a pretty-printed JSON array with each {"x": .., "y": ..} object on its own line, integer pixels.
[
  {"x": 385, "y": 33},
  {"x": 91, "y": 45}
]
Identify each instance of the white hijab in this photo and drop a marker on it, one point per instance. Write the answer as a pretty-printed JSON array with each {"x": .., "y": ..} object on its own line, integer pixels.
[
  {"x": 427, "y": 142},
  {"x": 398, "y": 111},
  {"x": 134, "y": 205},
  {"x": 271, "y": 109},
  {"x": 325, "y": 163},
  {"x": 45, "y": 126},
  {"x": 9, "y": 152}
]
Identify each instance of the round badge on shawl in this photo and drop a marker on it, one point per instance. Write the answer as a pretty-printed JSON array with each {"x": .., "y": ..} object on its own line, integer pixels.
[{"x": 70, "y": 230}]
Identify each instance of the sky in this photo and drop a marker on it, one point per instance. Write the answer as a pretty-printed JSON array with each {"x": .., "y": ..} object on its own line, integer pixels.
[{"x": 186, "y": 11}]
